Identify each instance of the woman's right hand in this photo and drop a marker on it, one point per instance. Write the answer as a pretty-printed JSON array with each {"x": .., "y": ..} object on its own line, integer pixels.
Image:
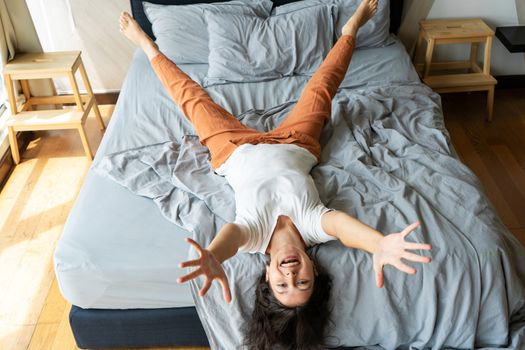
[{"x": 208, "y": 266}]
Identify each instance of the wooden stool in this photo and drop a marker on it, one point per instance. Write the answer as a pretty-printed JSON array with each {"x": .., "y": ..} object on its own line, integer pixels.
[
  {"x": 41, "y": 66},
  {"x": 442, "y": 31}
]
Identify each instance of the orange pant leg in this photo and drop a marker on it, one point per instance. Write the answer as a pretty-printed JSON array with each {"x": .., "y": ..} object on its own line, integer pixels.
[
  {"x": 314, "y": 107},
  {"x": 214, "y": 125}
]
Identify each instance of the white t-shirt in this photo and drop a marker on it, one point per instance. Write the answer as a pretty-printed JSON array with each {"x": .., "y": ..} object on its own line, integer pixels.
[{"x": 271, "y": 180}]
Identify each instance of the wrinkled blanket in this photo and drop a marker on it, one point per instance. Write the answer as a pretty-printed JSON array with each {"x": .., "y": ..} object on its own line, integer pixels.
[{"x": 387, "y": 159}]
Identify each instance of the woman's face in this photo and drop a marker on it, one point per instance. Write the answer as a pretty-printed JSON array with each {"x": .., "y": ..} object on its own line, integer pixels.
[{"x": 291, "y": 276}]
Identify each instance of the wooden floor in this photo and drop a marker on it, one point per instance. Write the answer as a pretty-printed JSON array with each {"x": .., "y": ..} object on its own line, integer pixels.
[
  {"x": 494, "y": 151},
  {"x": 39, "y": 194}
]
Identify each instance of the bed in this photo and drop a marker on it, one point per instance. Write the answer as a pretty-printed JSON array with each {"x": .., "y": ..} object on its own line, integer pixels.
[{"x": 387, "y": 159}]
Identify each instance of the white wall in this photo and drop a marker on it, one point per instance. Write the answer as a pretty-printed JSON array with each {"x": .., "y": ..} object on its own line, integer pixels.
[
  {"x": 92, "y": 27},
  {"x": 520, "y": 6},
  {"x": 494, "y": 13}
]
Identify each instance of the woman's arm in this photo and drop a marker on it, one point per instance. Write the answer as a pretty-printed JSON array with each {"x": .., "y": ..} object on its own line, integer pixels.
[
  {"x": 386, "y": 250},
  {"x": 350, "y": 231},
  {"x": 227, "y": 242},
  {"x": 225, "y": 245}
]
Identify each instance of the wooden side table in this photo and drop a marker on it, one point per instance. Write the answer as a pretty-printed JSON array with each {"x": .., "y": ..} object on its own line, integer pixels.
[
  {"x": 442, "y": 31},
  {"x": 41, "y": 66}
]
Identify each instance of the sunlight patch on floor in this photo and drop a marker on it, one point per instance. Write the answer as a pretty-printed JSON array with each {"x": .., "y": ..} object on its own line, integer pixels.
[
  {"x": 10, "y": 193},
  {"x": 33, "y": 208},
  {"x": 22, "y": 267}
]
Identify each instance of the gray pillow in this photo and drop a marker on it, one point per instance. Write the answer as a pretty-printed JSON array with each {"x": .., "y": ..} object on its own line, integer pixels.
[
  {"x": 249, "y": 48},
  {"x": 180, "y": 30},
  {"x": 375, "y": 33}
]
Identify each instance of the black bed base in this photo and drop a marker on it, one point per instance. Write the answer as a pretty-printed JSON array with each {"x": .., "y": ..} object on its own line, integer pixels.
[
  {"x": 138, "y": 328},
  {"x": 135, "y": 328}
]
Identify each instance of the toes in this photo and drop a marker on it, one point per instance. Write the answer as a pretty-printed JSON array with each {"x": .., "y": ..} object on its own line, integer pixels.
[
  {"x": 124, "y": 16},
  {"x": 124, "y": 22}
]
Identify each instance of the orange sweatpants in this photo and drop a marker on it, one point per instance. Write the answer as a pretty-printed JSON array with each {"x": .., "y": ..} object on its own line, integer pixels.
[{"x": 222, "y": 133}]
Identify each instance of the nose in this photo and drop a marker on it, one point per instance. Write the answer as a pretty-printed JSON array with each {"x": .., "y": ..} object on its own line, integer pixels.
[{"x": 293, "y": 273}]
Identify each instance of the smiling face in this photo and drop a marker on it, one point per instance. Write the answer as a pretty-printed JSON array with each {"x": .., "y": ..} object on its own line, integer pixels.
[{"x": 291, "y": 276}]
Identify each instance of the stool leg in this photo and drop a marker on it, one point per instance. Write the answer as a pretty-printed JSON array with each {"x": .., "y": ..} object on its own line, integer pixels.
[
  {"x": 27, "y": 94},
  {"x": 490, "y": 103},
  {"x": 428, "y": 58},
  {"x": 85, "y": 142},
  {"x": 76, "y": 92},
  {"x": 14, "y": 145},
  {"x": 10, "y": 93},
  {"x": 486, "y": 63},
  {"x": 90, "y": 93}
]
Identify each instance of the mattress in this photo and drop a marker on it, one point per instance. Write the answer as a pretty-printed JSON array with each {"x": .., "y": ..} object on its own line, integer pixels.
[{"x": 117, "y": 251}]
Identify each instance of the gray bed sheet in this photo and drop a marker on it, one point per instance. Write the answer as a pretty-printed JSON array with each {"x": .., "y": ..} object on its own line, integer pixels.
[{"x": 387, "y": 160}]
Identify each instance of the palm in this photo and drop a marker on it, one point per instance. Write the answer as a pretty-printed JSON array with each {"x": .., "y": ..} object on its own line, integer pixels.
[
  {"x": 208, "y": 266},
  {"x": 392, "y": 248}
]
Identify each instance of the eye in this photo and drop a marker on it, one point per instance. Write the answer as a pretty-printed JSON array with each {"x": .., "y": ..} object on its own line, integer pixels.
[
  {"x": 302, "y": 282},
  {"x": 281, "y": 285}
]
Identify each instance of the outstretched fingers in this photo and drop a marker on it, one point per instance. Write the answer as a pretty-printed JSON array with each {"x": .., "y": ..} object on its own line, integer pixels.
[
  {"x": 189, "y": 263},
  {"x": 225, "y": 289},
  {"x": 410, "y": 228},
  {"x": 224, "y": 284},
  {"x": 404, "y": 267},
  {"x": 416, "y": 258},
  {"x": 195, "y": 245},
  {"x": 414, "y": 246},
  {"x": 205, "y": 287},
  {"x": 394, "y": 250},
  {"x": 418, "y": 246},
  {"x": 196, "y": 262},
  {"x": 190, "y": 276},
  {"x": 208, "y": 266}
]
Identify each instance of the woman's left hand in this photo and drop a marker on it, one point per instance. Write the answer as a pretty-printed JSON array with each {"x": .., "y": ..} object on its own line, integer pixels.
[{"x": 392, "y": 248}]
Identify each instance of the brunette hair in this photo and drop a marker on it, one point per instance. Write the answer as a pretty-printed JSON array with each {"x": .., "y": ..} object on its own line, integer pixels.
[{"x": 275, "y": 326}]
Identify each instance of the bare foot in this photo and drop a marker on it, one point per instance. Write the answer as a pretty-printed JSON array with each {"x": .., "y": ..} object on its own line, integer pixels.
[
  {"x": 131, "y": 29},
  {"x": 364, "y": 12}
]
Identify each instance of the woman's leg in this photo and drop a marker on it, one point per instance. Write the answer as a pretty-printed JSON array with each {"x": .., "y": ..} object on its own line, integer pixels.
[
  {"x": 313, "y": 109},
  {"x": 214, "y": 125},
  {"x": 208, "y": 118}
]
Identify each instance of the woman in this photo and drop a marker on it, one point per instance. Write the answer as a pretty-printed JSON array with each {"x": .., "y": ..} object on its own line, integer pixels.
[{"x": 278, "y": 210}]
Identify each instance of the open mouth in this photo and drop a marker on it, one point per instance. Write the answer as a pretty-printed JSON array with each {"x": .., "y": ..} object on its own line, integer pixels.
[{"x": 290, "y": 261}]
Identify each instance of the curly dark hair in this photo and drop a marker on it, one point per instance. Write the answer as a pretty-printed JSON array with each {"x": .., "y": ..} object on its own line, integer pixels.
[{"x": 274, "y": 325}]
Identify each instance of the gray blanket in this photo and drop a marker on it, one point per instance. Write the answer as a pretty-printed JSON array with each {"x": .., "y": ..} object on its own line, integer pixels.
[{"x": 387, "y": 160}]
